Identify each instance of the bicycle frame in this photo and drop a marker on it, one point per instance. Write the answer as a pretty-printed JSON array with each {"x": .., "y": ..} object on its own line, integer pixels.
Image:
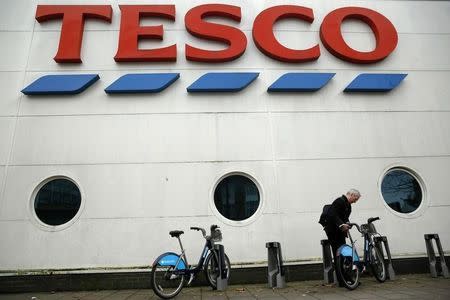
[
  {"x": 181, "y": 265},
  {"x": 368, "y": 241},
  {"x": 171, "y": 271},
  {"x": 346, "y": 250},
  {"x": 349, "y": 264}
]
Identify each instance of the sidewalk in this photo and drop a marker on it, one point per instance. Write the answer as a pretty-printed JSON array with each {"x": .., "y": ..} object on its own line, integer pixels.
[{"x": 418, "y": 286}]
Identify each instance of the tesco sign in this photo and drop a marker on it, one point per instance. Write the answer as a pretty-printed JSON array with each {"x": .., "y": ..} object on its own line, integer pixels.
[{"x": 74, "y": 16}]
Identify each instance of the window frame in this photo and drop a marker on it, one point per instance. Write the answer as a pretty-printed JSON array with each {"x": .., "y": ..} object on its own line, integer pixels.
[
  {"x": 423, "y": 204},
  {"x": 254, "y": 216},
  {"x": 47, "y": 227}
]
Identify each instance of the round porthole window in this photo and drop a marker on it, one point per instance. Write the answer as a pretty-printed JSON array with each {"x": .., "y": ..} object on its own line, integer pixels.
[
  {"x": 401, "y": 190},
  {"x": 57, "y": 201},
  {"x": 236, "y": 197}
]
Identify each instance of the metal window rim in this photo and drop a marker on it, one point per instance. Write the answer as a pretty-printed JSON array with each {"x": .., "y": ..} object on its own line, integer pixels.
[
  {"x": 420, "y": 210},
  {"x": 255, "y": 215},
  {"x": 54, "y": 228}
]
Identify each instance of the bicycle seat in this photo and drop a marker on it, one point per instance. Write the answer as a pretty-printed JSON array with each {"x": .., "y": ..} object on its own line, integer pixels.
[{"x": 176, "y": 233}]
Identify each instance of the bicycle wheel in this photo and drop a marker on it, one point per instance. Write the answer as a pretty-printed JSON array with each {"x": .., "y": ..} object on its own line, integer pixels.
[
  {"x": 377, "y": 264},
  {"x": 166, "y": 281},
  {"x": 212, "y": 269},
  {"x": 347, "y": 271}
]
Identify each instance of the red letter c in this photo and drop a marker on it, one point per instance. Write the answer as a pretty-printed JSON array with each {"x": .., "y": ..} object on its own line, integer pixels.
[{"x": 265, "y": 39}]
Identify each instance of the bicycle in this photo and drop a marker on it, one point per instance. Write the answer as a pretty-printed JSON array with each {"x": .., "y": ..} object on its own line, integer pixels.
[
  {"x": 349, "y": 266},
  {"x": 170, "y": 270}
]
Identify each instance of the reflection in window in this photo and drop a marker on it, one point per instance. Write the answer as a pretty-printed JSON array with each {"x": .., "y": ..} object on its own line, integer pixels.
[
  {"x": 236, "y": 197},
  {"x": 401, "y": 191},
  {"x": 57, "y": 202}
]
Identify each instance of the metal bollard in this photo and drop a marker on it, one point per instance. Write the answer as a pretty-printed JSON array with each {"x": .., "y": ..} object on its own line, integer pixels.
[
  {"x": 379, "y": 242},
  {"x": 329, "y": 273},
  {"x": 432, "y": 256},
  {"x": 222, "y": 280},
  {"x": 275, "y": 265}
]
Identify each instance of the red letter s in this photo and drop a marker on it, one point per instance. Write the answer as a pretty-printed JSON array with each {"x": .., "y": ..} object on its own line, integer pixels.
[{"x": 234, "y": 37}]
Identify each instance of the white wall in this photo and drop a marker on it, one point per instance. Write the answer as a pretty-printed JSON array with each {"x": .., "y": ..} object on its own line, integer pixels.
[{"x": 147, "y": 164}]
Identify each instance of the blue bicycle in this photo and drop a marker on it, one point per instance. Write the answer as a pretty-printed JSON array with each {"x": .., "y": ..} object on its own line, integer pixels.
[
  {"x": 349, "y": 266},
  {"x": 170, "y": 271}
]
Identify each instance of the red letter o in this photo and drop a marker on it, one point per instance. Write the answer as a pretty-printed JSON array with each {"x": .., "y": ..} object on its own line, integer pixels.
[{"x": 385, "y": 35}]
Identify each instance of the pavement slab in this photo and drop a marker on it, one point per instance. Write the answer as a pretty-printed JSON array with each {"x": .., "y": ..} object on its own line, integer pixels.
[{"x": 414, "y": 287}]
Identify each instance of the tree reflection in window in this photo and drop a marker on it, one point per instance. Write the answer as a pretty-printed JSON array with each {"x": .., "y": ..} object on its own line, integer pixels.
[
  {"x": 401, "y": 191},
  {"x": 236, "y": 197},
  {"x": 57, "y": 202}
]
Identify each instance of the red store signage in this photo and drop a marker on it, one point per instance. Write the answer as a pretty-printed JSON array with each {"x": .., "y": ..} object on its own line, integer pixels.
[{"x": 73, "y": 18}]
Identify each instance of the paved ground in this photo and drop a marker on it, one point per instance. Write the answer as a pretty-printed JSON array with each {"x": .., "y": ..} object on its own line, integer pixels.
[{"x": 405, "y": 287}]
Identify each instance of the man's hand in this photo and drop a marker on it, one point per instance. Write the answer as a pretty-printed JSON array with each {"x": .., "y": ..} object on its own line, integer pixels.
[{"x": 344, "y": 227}]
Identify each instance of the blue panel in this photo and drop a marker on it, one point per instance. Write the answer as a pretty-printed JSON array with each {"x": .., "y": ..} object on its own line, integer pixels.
[
  {"x": 171, "y": 260},
  {"x": 346, "y": 250},
  {"x": 60, "y": 84},
  {"x": 375, "y": 82},
  {"x": 300, "y": 82},
  {"x": 222, "y": 82},
  {"x": 142, "y": 83}
]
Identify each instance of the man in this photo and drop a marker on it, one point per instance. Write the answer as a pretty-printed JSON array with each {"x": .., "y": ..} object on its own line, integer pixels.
[{"x": 337, "y": 217}]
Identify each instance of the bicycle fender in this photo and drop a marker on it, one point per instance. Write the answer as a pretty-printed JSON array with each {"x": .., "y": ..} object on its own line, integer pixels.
[
  {"x": 170, "y": 259},
  {"x": 346, "y": 250}
]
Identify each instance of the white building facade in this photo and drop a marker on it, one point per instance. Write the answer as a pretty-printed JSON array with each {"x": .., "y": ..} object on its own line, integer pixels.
[{"x": 145, "y": 164}]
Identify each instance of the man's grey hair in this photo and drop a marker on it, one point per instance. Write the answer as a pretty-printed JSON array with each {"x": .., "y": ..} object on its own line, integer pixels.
[{"x": 354, "y": 192}]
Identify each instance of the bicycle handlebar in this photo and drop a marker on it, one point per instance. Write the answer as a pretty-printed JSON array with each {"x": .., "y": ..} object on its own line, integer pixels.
[
  {"x": 199, "y": 229},
  {"x": 370, "y": 220},
  {"x": 354, "y": 224},
  {"x": 213, "y": 227}
]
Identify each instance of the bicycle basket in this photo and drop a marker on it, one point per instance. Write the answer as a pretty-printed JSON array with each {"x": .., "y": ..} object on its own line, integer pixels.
[
  {"x": 216, "y": 235},
  {"x": 364, "y": 227},
  {"x": 369, "y": 228}
]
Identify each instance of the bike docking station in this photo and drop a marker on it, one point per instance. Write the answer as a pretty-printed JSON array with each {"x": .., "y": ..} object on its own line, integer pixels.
[
  {"x": 381, "y": 241},
  {"x": 275, "y": 268},
  {"x": 222, "y": 280},
  {"x": 329, "y": 272},
  {"x": 349, "y": 266},
  {"x": 432, "y": 256}
]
